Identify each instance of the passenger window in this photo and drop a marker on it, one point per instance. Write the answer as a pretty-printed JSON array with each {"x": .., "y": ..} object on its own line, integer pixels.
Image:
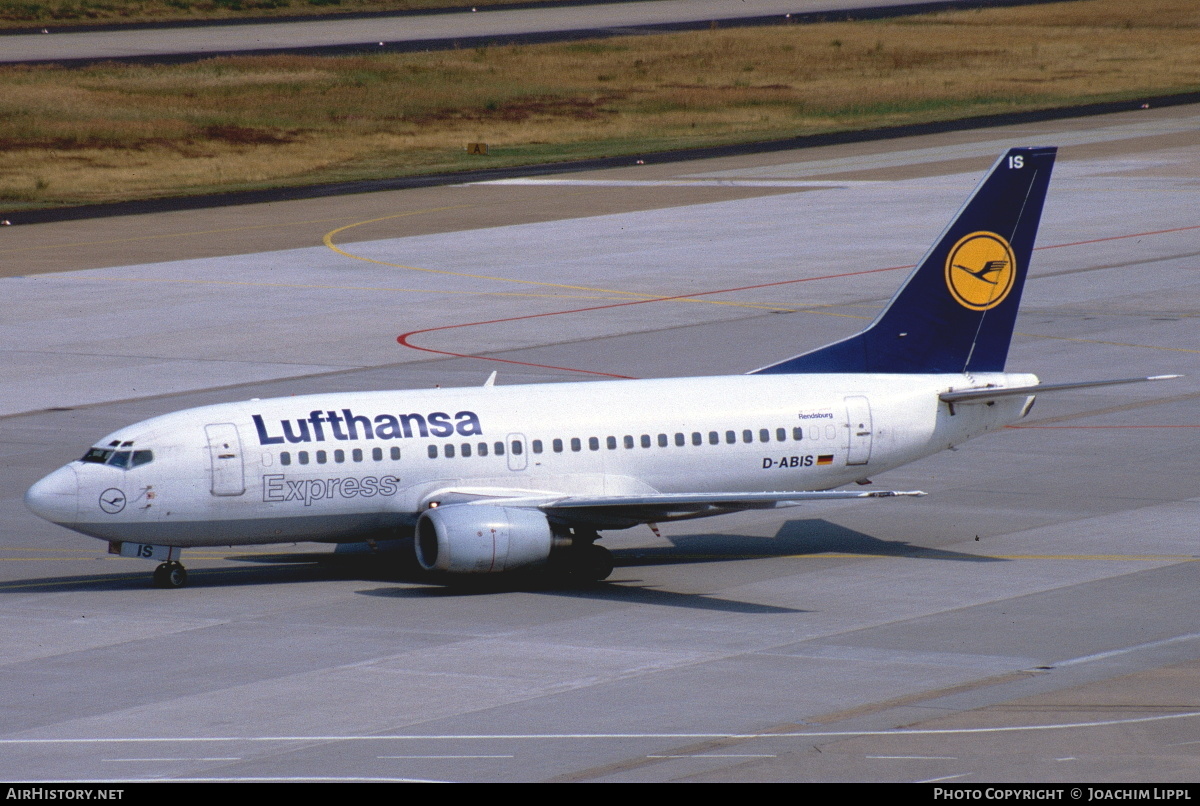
[
  {"x": 645, "y": 440},
  {"x": 557, "y": 446},
  {"x": 662, "y": 440},
  {"x": 628, "y": 441},
  {"x": 517, "y": 447},
  {"x": 747, "y": 435},
  {"x": 797, "y": 433},
  {"x": 395, "y": 454},
  {"x": 830, "y": 432},
  {"x": 697, "y": 439},
  {"x": 680, "y": 439},
  {"x": 499, "y": 446},
  {"x": 781, "y": 434},
  {"x": 144, "y": 458},
  {"x": 448, "y": 451},
  {"x": 730, "y": 437},
  {"x": 356, "y": 454},
  {"x": 339, "y": 456},
  {"x": 303, "y": 457},
  {"x": 377, "y": 454},
  {"x": 714, "y": 438},
  {"x": 285, "y": 458},
  {"x": 764, "y": 435},
  {"x": 593, "y": 444},
  {"x": 536, "y": 445},
  {"x": 466, "y": 450},
  {"x": 321, "y": 457},
  {"x": 432, "y": 451},
  {"x": 483, "y": 451},
  {"x": 576, "y": 445},
  {"x": 611, "y": 443},
  {"x": 814, "y": 432}
]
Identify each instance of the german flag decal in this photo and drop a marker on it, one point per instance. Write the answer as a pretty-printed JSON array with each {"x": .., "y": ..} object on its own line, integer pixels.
[{"x": 825, "y": 459}]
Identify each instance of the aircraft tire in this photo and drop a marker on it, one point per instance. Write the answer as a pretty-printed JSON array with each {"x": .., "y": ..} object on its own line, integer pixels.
[
  {"x": 170, "y": 575},
  {"x": 597, "y": 563}
]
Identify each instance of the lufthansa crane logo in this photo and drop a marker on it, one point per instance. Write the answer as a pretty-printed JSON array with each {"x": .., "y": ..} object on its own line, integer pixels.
[
  {"x": 112, "y": 500},
  {"x": 980, "y": 270}
]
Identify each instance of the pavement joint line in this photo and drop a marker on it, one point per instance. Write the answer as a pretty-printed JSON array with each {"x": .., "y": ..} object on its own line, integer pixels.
[
  {"x": 327, "y": 239},
  {"x": 164, "y": 235},
  {"x": 321, "y": 287},
  {"x": 1126, "y": 650},
  {"x": 583, "y": 736}
]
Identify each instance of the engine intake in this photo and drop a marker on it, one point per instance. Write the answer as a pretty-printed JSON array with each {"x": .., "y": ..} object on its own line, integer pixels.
[{"x": 482, "y": 539}]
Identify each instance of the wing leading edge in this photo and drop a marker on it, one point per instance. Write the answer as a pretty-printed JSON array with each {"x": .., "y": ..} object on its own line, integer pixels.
[{"x": 623, "y": 511}]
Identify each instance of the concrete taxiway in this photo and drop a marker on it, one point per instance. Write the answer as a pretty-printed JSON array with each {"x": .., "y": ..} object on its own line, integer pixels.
[
  {"x": 458, "y": 28},
  {"x": 1033, "y": 618}
]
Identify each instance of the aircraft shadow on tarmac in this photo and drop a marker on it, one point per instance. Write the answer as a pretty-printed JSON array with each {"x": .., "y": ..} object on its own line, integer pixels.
[
  {"x": 795, "y": 538},
  {"x": 623, "y": 591}
]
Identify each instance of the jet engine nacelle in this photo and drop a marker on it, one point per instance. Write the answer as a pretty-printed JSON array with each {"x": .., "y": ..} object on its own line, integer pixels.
[{"x": 481, "y": 539}]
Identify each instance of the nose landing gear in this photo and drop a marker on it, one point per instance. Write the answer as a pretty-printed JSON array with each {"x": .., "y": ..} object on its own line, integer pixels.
[{"x": 170, "y": 575}]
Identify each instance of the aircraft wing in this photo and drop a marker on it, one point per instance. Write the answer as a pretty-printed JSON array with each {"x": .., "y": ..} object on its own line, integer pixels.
[
  {"x": 631, "y": 510},
  {"x": 622, "y": 511}
]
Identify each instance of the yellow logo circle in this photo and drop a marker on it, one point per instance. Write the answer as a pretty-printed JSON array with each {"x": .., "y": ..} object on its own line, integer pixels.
[{"x": 980, "y": 270}]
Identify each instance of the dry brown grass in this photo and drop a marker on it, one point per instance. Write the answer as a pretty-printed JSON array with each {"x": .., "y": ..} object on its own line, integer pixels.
[{"x": 114, "y": 132}]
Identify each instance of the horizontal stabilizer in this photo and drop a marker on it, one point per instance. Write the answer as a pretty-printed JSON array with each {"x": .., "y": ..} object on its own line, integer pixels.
[{"x": 980, "y": 395}]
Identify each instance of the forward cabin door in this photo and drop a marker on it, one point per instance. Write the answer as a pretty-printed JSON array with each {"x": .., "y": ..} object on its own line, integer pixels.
[
  {"x": 225, "y": 452},
  {"x": 858, "y": 417}
]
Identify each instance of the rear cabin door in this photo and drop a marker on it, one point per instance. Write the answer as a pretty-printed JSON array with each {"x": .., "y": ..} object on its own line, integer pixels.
[
  {"x": 858, "y": 416},
  {"x": 225, "y": 452}
]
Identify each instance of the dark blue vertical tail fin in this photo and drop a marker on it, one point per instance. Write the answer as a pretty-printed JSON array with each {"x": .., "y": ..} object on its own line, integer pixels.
[{"x": 956, "y": 311}]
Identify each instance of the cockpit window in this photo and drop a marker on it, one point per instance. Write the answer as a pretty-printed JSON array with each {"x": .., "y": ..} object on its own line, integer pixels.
[
  {"x": 121, "y": 459},
  {"x": 97, "y": 455}
]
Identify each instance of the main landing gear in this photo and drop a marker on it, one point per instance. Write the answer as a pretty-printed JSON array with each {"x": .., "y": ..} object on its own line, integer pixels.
[
  {"x": 581, "y": 559},
  {"x": 593, "y": 563},
  {"x": 170, "y": 575}
]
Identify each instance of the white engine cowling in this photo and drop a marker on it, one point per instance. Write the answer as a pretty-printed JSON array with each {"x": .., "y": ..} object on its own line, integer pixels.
[{"x": 481, "y": 539}]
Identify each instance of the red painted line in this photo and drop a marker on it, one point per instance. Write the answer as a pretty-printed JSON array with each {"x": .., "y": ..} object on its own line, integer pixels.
[
  {"x": 1120, "y": 237},
  {"x": 405, "y": 338}
]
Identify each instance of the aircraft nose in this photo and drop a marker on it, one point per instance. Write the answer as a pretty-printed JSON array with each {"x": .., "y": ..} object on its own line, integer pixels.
[{"x": 56, "y": 497}]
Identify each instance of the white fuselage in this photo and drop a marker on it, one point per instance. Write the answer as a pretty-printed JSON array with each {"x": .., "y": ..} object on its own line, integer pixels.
[{"x": 346, "y": 466}]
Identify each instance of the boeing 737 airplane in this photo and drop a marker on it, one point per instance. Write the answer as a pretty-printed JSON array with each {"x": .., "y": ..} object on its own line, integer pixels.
[{"x": 493, "y": 479}]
